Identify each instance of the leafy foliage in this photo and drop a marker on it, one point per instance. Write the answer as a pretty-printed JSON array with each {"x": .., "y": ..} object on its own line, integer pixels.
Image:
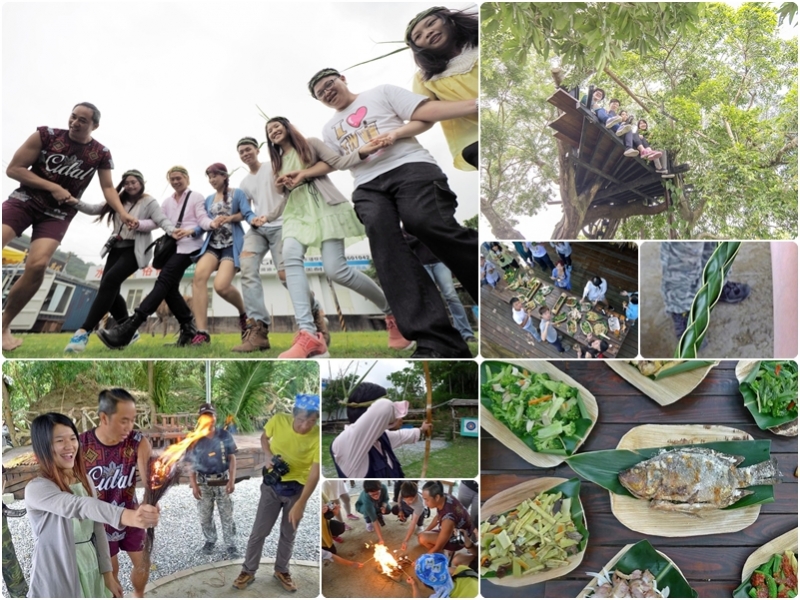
[{"x": 717, "y": 85}]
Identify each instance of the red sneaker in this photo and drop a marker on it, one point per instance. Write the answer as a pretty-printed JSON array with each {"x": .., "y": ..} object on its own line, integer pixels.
[
  {"x": 396, "y": 339},
  {"x": 307, "y": 345}
]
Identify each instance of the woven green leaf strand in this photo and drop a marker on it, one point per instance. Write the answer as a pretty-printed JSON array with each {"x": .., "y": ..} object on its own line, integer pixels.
[{"x": 713, "y": 281}]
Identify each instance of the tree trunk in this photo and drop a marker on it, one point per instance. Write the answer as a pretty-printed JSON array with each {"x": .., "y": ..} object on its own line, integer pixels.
[
  {"x": 574, "y": 205},
  {"x": 9, "y": 418},
  {"x": 501, "y": 229}
]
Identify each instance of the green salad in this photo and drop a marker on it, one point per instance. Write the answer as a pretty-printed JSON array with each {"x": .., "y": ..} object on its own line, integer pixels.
[
  {"x": 770, "y": 392},
  {"x": 547, "y": 415}
]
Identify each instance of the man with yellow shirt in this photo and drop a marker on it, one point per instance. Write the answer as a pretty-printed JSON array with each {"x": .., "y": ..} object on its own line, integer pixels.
[{"x": 291, "y": 446}]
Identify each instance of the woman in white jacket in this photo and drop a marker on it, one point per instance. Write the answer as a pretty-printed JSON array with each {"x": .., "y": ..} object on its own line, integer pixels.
[
  {"x": 127, "y": 252},
  {"x": 71, "y": 558}
]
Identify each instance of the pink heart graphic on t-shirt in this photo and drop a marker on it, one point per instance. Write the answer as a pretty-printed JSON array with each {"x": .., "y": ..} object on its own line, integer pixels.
[{"x": 355, "y": 119}]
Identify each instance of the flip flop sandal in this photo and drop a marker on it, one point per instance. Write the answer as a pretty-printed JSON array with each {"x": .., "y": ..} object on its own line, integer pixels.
[{"x": 733, "y": 293}]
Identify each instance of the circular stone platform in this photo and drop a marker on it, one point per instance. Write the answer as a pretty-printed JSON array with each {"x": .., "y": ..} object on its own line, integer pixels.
[{"x": 215, "y": 580}]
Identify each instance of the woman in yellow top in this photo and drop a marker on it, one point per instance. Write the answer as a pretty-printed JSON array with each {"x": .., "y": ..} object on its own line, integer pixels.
[{"x": 445, "y": 47}]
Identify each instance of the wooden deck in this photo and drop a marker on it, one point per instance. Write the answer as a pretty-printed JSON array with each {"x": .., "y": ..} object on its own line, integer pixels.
[
  {"x": 501, "y": 337},
  {"x": 597, "y": 155},
  {"x": 249, "y": 459},
  {"x": 711, "y": 563}
]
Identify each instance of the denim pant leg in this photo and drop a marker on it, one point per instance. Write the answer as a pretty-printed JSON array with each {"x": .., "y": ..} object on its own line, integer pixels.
[
  {"x": 256, "y": 241},
  {"x": 166, "y": 288},
  {"x": 533, "y": 330},
  {"x": 444, "y": 279},
  {"x": 335, "y": 266},
  {"x": 412, "y": 295},
  {"x": 296, "y": 281}
]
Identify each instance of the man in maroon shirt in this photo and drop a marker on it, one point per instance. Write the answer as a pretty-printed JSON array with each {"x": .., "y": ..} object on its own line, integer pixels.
[
  {"x": 112, "y": 452},
  {"x": 54, "y": 167}
]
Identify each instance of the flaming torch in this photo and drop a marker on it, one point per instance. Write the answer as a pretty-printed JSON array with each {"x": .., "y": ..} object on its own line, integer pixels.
[{"x": 164, "y": 471}]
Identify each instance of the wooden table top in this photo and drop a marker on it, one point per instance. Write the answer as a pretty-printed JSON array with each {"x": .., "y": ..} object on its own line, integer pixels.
[
  {"x": 614, "y": 341},
  {"x": 711, "y": 563}
]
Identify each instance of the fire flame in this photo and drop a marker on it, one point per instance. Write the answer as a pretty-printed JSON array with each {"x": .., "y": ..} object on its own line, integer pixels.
[
  {"x": 164, "y": 464},
  {"x": 384, "y": 559}
]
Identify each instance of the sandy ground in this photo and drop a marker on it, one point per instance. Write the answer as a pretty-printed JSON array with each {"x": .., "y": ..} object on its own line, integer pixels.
[
  {"x": 340, "y": 581},
  {"x": 743, "y": 330}
]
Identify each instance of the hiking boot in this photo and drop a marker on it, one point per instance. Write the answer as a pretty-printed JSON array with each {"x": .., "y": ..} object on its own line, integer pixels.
[
  {"x": 243, "y": 323},
  {"x": 623, "y": 129},
  {"x": 680, "y": 320},
  {"x": 243, "y": 580},
  {"x": 255, "y": 338},
  {"x": 286, "y": 580},
  {"x": 611, "y": 121},
  {"x": 77, "y": 342},
  {"x": 396, "y": 339},
  {"x": 208, "y": 547},
  {"x": 200, "y": 338},
  {"x": 321, "y": 323},
  {"x": 733, "y": 293},
  {"x": 122, "y": 334},
  {"x": 307, "y": 345},
  {"x": 188, "y": 331}
]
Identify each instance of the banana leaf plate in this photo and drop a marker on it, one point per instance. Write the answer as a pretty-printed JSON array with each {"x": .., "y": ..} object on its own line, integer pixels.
[
  {"x": 509, "y": 499},
  {"x": 593, "y": 316},
  {"x": 746, "y": 372},
  {"x": 664, "y": 391},
  {"x": 586, "y": 327},
  {"x": 586, "y": 306},
  {"x": 560, "y": 318},
  {"x": 600, "y": 328},
  {"x": 643, "y": 442},
  {"x": 539, "y": 298},
  {"x": 547, "y": 289},
  {"x": 571, "y": 301},
  {"x": 524, "y": 448},
  {"x": 572, "y": 327},
  {"x": 643, "y": 556},
  {"x": 782, "y": 543}
]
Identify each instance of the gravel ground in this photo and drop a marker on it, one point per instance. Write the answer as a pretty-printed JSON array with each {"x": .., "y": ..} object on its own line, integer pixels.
[{"x": 179, "y": 538}]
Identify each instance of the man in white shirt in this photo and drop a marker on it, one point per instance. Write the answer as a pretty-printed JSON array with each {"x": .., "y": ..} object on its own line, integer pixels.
[
  {"x": 402, "y": 182},
  {"x": 523, "y": 318},
  {"x": 266, "y": 236},
  {"x": 595, "y": 290}
]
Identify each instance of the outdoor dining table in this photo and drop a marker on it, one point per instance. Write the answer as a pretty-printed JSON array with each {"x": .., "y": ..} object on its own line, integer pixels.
[
  {"x": 615, "y": 340},
  {"x": 712, "y": 564}
]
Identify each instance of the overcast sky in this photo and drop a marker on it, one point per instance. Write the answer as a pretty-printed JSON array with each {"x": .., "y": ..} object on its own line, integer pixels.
[
  {"x": 335, "y": 368},
  {"x": 178, "y": 83}
]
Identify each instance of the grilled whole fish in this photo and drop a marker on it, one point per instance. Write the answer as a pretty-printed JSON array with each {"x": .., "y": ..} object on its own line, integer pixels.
[{"x": 690, "y": 480}]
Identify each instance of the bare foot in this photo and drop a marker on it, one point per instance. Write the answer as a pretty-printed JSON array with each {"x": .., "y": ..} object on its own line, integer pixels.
[{"x": 10, "y": 342}]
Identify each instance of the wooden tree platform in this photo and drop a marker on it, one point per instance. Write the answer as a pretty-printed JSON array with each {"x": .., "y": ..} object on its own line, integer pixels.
[{"x": 597, "y": 155}]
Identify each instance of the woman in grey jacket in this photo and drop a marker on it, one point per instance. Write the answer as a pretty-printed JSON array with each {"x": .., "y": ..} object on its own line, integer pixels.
[
  {"x": 70, "y": 549},
  {"x": 127, "y": 252}
]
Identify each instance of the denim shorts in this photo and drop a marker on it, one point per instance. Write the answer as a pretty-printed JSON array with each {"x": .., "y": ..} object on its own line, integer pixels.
[{"x": 222, "y": 254}]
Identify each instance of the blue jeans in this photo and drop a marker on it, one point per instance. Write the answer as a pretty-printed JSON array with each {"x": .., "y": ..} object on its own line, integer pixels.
[
  {"x": 335, "y": 266},
  {"x": 443, "y": 277},
  {"x": 259, "y": 242},
  {"x": 532, "y": 329}
]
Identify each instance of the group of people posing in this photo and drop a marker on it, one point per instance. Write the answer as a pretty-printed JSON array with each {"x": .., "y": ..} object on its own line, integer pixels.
[
  {"x": 622, "y": 124},
  {"x": 83, "y": 506},
  {"x": 289, "y": 203}
]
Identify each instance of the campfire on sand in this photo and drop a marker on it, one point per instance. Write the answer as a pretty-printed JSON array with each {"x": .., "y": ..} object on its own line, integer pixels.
[
  {"x": 164, "y": 472},
  {"x": 391, "y": 566}
]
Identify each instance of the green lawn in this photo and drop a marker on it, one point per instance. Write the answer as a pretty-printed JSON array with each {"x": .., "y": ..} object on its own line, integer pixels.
[
  {"x": 360, "y": 344},
  {"x": 459, "y": 460}
]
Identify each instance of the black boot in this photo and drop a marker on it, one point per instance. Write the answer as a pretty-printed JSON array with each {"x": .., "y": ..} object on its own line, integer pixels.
[
  {"x": 188, "y": 331},
  {"x": 121, "y": 335}
]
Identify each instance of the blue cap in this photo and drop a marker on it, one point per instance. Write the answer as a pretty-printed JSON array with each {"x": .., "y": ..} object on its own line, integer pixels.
[
  {"x": 431, "y": 569},
  {"x": 307, "y": 402}
]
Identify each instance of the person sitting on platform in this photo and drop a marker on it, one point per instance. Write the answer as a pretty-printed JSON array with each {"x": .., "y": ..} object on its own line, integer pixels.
[{"x": 636, "y": 144}]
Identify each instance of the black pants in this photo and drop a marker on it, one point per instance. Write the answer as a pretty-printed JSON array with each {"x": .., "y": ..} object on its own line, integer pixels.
[
  {"x": 418, "y": 195},
  {"x": 167, "y": 288},
  {"x": 470, "y": 154},
  {"x": 545, "y": 262},
  {"x": 566, "y": 259},
  {"x": 120, "y": 264}
]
